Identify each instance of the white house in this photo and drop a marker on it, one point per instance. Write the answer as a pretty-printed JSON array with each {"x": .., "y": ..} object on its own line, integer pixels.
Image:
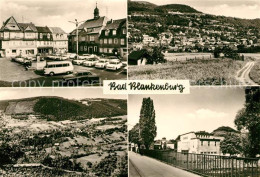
[{"x": 199, "y": 143}]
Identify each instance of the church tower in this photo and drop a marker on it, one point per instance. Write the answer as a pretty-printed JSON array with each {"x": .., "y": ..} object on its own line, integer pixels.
[{"x": 96, "y": 12}]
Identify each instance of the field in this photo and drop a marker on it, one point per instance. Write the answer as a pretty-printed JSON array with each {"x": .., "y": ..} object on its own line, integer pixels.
[
  {"x": 199, "y": 72},
  {"x": 255, "y": 73}
]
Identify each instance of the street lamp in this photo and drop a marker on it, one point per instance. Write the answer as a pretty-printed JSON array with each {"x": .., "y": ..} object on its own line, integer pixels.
[{"x": 77, "y": 34}]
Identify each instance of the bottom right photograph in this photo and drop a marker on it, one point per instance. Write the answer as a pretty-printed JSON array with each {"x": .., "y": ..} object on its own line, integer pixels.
[{"x": 210, "y": 132}]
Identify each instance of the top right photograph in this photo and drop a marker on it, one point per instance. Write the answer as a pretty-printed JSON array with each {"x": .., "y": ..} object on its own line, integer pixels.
[{"x": 205, "y": 41}]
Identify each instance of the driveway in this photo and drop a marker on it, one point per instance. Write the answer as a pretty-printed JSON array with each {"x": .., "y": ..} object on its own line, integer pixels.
[{"x": 142, "y": 166}]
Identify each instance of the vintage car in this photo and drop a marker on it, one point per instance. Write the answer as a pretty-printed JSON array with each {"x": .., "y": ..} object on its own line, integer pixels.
[
  {"x": 114, "y": 64},
  {"x": 102, "y": 63},
  {"x": 90, "y": 62},
  {"x": 81, "y": 78}
]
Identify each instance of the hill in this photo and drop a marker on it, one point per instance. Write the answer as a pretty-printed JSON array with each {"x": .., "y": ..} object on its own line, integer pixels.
[
  {"x": 58, "y": 109},
  {"x": 222, "y": 131},
  {"x": 140, "y": 6},
  {"x": 178, "y": 8},
  {"x": 143, "y": 6}
]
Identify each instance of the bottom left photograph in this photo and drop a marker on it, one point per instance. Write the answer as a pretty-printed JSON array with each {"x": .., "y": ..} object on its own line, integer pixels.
[{"x": 62, "y": 132}]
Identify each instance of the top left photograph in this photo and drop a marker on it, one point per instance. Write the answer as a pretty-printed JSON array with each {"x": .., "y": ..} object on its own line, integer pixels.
[{"x": 72, "y": 43}]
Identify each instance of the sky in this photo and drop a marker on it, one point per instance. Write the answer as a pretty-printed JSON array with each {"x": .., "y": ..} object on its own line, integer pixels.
[
  {"x": 59, "y": 12},
  {"x": 70, "y": 93},
  {"x": 204, "y": 109},
  {"x": 249, "y": 9}
]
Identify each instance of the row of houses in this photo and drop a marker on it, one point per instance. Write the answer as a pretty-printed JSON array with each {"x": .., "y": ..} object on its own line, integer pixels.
[
  {"x": 200, "y": 142},
  {"x": 99, "y": 35},
  {"x": 29, "y": 39}
]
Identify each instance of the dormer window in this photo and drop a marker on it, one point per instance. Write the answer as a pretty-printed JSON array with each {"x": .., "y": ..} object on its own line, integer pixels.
[
  {"x": 114, "y": 32},
  {"x": 48, "y": 35},
  {"x": 41, "y": 35}
]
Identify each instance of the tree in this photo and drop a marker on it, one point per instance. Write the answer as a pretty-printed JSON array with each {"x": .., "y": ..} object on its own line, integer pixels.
[
  {"x": 134, "y": 135},
  {"x": 147, "y": 122},
  {"x": 248, "y": 118},
  {"x": 231, "y": 144}
]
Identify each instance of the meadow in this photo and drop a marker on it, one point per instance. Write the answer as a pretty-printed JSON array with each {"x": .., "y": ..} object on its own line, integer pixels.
[{"x": 199, "y": 72}]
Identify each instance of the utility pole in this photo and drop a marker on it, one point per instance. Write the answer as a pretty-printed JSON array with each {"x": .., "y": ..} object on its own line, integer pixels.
[{"x": 77, "y": 35}]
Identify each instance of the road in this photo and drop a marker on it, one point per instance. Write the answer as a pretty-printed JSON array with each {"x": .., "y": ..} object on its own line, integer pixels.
[
  {"x": 142, "y": 166},
  {"x": 243, "y": 74}
]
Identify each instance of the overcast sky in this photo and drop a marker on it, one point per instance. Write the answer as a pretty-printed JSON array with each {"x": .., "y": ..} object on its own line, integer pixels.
[
  {"x": 249, "y": 9},
  {"x": 70, "y": 93},
  {"x": 59, "y": 12},
  {"x": 203, "y": 109}
]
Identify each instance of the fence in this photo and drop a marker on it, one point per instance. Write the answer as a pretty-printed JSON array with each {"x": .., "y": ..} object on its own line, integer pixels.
[{"x": 209, "y": 165}]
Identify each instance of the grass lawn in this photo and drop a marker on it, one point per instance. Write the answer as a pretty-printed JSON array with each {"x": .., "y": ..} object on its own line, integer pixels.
[
  {"x": 255, "y": 73},
  {"x": 199, "y": 72}
]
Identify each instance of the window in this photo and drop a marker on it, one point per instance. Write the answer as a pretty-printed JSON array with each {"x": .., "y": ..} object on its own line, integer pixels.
[
  {"x": 105, "y": 50},
  {"x": 109, "y": 41},
  {"x": 201, "y": 143},
  {"x": 95, "y": 48},
  {"x": 82, "y": 38},
  {"x": 106, "y": 32},
  {"x": 122, "y": 41},
  {"x": 215, "y": 143},
  {"x": 48, "y": 36},
  {"x": 13, "y": 51},
  {"x": 101, "y": 50},
  {"x": 92, "y": 38},
  {"x": 208, "y": 143},
  {"x": 40, "y": 35},
  {"x": 65, "y": 64},
  {"x": 114, "y": 32},
  {"x": 58, "y": 65},
  {"x": 101, "y": 41},
  {"x": 124, "y": 31},
  {"x": 105, "y": 41},
  {"x": 115, "y": 41}
]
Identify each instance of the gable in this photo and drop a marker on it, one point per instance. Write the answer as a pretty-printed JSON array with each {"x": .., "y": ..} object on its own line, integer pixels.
[
  {"x": 28, "y": 28},
  {"x": 11, "y": 24}
]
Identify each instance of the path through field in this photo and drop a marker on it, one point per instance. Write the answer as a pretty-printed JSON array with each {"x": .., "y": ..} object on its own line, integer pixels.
[
  {"x": 142, "y": 166},
  {"x": 243, "y": 74}
]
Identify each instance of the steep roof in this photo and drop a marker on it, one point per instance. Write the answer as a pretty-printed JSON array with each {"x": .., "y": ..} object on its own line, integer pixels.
[
  {"x": 25, "y": 25},
  {"x": 6, "y": 22},
  {"x": 42, "y": 29},
  {"x": 57, "y": 30},
  {"x": 115, "y": 24},
  {"x": 92, "y": 23}
]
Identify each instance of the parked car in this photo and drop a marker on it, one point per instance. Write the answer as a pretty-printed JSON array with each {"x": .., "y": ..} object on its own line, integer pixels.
[
  {"x": 112, "y": 57},
  {"x": 114, "y": 64},
  {"x": 81, "y": 78},
  {"x": 124, "y": 63},
  {"x": 19, "y": 59},
  {"x": 90, "y": 62},
  {"x": 73, "y": 56},
  {"x": 78, "y": 61},
  {"x": 58, "y": 67},
  {"x": 124, "y": 70},
  {"x": 102, "y": 63}
]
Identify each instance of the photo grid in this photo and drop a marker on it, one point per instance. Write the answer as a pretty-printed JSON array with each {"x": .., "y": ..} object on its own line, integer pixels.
[{"x": 58, "y": 119}]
